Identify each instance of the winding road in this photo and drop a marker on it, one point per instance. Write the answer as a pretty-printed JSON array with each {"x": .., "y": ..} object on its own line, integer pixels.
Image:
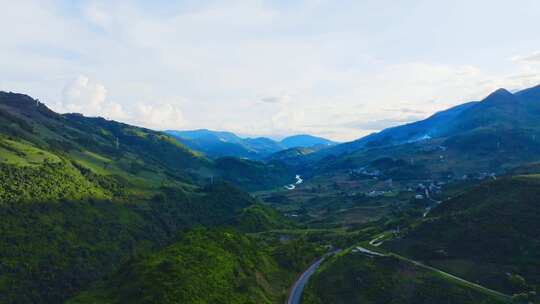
[
  {"x": 422, "y": 265},
  {"x": 296, "y": 291},
  {"x": 295, "y": 295}
]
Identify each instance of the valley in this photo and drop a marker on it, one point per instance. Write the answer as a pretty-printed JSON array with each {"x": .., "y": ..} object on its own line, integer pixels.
[
  {"x": 269, "y": 152},
  {"x": 444, "y": 210}
]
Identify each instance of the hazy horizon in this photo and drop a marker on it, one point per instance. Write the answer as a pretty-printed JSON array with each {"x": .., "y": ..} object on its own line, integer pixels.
[{"x": 266, "y": 68}]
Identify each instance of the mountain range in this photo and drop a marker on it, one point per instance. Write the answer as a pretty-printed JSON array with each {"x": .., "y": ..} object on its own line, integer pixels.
[
  {"x": 215, "y": 144},
  {"x": 81, "y": 195},
  {"x": 500, "y": 109},
  {"x": 98, "y": 211},
  {"x": 492, "y": 135}
]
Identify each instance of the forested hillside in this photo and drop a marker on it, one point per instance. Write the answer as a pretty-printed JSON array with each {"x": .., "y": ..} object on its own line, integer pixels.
[
  {"x": 489, "y": 234},
  {"x": 80, "y": 196},
  {"x": 489, "y": 136},
  {"x": 205, "y": 266},
  {"x": 32, "y": 135},
  {"x": 357, "y": 278}
]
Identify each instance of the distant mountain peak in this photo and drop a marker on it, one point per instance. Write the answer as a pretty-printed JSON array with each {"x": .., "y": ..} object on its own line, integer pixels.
[
  {"x": 221, "y": 143},
  {"x": 305, "y": 140},
  {"x": 501, "y": 91},
  {"x": 501, "y": 96}
]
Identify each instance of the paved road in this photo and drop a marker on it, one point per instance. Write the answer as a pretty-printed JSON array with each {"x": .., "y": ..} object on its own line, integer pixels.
[
  {"x": 296, "y": 291},
  {"x": 375, "y": 242},
  {"x": 367, "y": 251},
  {"x": 422, "y": 265},
  {"x": 295, "y": 294}
]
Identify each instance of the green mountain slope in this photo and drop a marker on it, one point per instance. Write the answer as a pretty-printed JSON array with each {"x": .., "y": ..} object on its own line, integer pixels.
[
  {"x": 356, "y": 278},
  {"x": 31, "y": 134},
  {"x": 492, "y": 135},
  {"x": 489, "y": 234},
  {"x": 258, "y": 217},
  {"x": 79, "y": 196},
  {"x": 202, "y": 267},
  {"x": 292, "y": 156},
  {"x": 29, "y": 129},
  {"x": 253, "y": 175},
  {"x": 50, "y": 250}
]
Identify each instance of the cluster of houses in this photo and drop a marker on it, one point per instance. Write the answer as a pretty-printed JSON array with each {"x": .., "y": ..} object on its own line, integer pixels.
[
  {"x": 424, "y": 191},
  {"x": 363, "y": 171},
  {"x": 480, "y": 176},
  {"x": 376, "y": 193}
]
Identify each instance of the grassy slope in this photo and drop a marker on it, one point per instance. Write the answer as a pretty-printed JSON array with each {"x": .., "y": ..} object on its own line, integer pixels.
[
  {"x": 31, "y": 133},
  {"x": 356, "y": 278}
]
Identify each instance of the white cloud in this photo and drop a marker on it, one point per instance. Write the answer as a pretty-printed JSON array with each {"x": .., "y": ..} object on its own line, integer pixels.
[
  {"x": 529, "y": 58},
  {"x": 264, "y": 67},
  {"x": 82, "y": 96},
  {"x": 162, "y": 116}
]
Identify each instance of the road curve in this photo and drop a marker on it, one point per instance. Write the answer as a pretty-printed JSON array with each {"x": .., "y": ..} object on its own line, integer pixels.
[{"x": 296, "y": 291}]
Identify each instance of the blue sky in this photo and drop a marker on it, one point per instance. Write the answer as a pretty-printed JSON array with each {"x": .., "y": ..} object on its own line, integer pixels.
[{"x": 340, "y": 69}]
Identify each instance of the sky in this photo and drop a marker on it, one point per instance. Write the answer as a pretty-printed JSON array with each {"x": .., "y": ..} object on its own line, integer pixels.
[{"x": 338, "y": 69}]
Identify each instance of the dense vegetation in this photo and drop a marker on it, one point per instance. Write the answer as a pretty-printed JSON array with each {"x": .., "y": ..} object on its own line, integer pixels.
[
  {"x": 259, "y": 217},
  {"x": 356, "y": 278},
  {"x": 97, "y": 211},
  {"x": 51, "y": 250},
  {"x": 31, "y": 134},
  {"x": 204, "y": 266},
  {"x": 493, "y": 135},
  {"x": 254, "y": 175},
  {"x": 80, "y": 196},
  {"x": 488, "y": 234},
  {"x": 50, "y": 182}
]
